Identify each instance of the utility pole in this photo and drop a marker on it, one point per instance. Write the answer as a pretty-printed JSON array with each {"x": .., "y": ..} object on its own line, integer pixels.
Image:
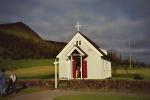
[{"x": 129, "y": 53}]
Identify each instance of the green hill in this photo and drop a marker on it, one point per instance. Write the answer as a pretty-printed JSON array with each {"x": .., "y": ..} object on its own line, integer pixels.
[
  {"x": 19, "y": 29},
  {"x": 18, "y": 41}
]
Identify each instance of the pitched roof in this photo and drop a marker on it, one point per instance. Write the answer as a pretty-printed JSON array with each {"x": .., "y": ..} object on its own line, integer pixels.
[{"x": 93, "y": 43}]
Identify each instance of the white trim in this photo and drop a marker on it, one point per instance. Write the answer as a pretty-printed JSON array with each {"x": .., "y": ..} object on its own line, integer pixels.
[
  {"x": 56, "y": 81},
  {"x": 68, "y": 70},
  {"x": 81, "y": 66},
  {"x": 75, "y": 48}
]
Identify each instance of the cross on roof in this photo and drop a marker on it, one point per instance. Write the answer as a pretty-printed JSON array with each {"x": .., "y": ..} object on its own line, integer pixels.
[{"x": 78, "y": 26}]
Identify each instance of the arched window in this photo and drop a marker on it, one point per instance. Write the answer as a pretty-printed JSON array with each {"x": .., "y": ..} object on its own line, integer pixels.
[{"x": 78, "y": 43}]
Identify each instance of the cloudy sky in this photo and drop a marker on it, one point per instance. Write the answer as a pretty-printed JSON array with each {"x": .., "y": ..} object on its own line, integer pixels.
[{"x": 109, "y": 23}]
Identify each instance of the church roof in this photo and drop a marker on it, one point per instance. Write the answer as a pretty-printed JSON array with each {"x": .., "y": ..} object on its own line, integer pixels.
[
  {"x": 93, "y": 43},
  {"x": 104, "y": 56},
  {"x": 96, "y": 46}
]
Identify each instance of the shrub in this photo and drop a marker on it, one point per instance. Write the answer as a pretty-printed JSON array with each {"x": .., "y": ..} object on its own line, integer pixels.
[{"x": 138, "y": 77}]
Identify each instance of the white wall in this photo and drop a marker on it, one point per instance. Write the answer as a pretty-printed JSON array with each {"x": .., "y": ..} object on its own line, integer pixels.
[
  {"x": 107, "y": 69},
  {"x": 95, "y": 69},
  {"x": 63, "y": 70}
]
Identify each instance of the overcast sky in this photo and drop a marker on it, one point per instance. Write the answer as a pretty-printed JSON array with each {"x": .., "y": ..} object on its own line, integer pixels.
[{"x": 109, "y": 23}]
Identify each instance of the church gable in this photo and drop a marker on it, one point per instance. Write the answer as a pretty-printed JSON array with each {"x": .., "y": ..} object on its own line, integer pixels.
[
  {"x": 69, "y": 45},
  {"x": 79, "y": 40}
]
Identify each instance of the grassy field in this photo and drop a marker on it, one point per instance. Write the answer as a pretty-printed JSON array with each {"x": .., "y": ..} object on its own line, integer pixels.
[
  {"x": 101, "y": 97},
  {"x": 44, "y": 69},
  {"x": 15, "y": 64},
  {"x": 123, "y": 74},
  {"x": 42, "y": 72},
  {"x": 30, "y": 69}
]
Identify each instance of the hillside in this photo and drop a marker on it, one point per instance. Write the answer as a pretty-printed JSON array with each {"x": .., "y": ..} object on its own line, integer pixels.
[
  {"x": 18, "y": 41},
  {"x": 19, "y": 29}
]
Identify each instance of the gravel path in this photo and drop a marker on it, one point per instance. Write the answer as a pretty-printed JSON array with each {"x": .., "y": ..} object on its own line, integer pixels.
[
  {"x": 43, "y": 95},
  {"x": 50, "y": 94}
]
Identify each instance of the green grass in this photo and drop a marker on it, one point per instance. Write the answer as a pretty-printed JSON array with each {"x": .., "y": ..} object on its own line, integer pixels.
[
  {"x": 36, "y": 72},
  {"x": 101, "y": 97},
  {"x": 30, "y": 69},
  {"x": 44, "y": 69},
  {"x": 41, "y": 72},
  {"x": 16, "y": 64},
  {"x": 122, "y": 74}
]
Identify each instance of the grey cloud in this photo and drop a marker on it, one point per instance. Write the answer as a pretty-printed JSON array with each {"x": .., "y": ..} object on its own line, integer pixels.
[{"x": 109, "y": 23}]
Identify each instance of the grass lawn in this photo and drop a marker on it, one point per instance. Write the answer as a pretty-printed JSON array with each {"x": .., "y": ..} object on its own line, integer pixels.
[
  {"x": 29, "y": 69},
  {"x": 17, "y": 64},
  {"x": 101, "y": 97},
  {"x": 42, "y": 72},
  {"x": 122, "y": 74}
]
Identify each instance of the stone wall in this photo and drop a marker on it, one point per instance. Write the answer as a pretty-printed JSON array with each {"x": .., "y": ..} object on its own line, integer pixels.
[{"x": 90, "y": 84}]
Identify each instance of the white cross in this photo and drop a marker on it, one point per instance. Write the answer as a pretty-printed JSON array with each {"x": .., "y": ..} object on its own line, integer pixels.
[{"x": 78, "y": 26}]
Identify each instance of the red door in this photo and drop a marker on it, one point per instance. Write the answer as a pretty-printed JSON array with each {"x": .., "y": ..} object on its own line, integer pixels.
[
  {"x": 84, "y": 69},
  {"x": 74, "y": 69}
]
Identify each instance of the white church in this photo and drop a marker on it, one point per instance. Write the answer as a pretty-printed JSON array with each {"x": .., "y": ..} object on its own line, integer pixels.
[{"x": 81, "y": 58}]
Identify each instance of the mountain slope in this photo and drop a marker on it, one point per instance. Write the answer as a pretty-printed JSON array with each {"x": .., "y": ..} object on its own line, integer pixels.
[
  {"x": 19, "y": 29},
  {"x": 18, "y": 41}
]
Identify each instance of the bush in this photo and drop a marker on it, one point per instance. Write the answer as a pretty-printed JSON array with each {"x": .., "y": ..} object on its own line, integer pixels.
[{"x": 138, "y": 77}]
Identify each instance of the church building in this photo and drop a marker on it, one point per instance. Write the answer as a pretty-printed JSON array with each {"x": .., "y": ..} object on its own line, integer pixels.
[{"x": 81, "y": 58}]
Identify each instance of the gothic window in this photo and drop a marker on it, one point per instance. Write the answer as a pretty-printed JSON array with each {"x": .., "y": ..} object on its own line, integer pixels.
[{"x": 79, "y": 43}]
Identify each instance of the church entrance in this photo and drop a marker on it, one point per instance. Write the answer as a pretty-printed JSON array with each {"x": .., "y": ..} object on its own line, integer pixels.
[
  {"x": 76, "y": 67},
  {"x": 79, "y": 67},
  {"x": 79, "y": 63}
]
